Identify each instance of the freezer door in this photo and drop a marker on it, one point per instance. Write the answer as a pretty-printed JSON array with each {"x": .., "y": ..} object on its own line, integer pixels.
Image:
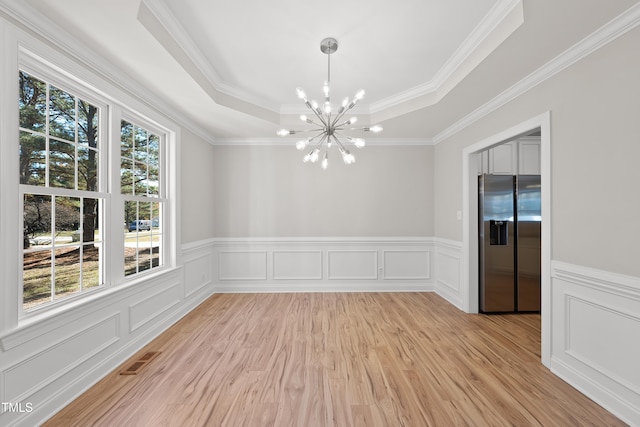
[
  {"x": 529, "y": 237},
  {"x": 497, "y": 243}
]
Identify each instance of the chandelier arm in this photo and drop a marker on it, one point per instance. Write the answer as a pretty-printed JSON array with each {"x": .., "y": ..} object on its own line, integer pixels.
[
  {"x": 319, "y": 144},
  {"x": 339, "y": 143},
  {"x": 318, "y": 115},
  {"x": 320, "y": 134},
  {"x": 343, "y": 128},
  {"x": 311, "y": 122},
  {"x": 342, "y": 135},
  {"x": 348, "y": 122},
  {"x": 339, "y": 116}
]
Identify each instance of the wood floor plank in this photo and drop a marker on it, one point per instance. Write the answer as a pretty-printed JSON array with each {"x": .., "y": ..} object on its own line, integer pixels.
[{"x": 338, "y": 359}]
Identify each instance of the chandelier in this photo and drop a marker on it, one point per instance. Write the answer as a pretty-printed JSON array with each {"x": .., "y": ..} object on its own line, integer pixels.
[{"x": 329, "y": 123}]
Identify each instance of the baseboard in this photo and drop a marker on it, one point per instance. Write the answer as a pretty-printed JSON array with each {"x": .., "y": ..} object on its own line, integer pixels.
[{"x": 244, "y": 287}]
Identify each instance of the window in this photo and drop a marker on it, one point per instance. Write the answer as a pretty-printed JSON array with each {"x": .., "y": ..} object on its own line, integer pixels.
[
  {"x": 62, "y": 203},
  {"x": 88, "y": 198},
  {"x": 140, "y": 186}
]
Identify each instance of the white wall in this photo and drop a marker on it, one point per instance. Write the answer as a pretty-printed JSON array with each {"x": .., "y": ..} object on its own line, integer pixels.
[
  {"x": 196, "y": 181},
  {"x": 269, "y": 192},
  {"x": 594, "y": 318},
  {"x": 594, "y": 158}
]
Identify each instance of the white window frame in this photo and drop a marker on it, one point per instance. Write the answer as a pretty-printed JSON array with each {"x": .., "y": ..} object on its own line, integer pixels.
[
  {"x": 24, "y": 52},
  {"x": 119, "y": 199},
  {"x": 41, "y": 71}
]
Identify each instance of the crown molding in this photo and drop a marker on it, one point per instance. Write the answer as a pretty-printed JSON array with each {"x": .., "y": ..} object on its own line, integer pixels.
[
  {"x": 453, "y": 69},
  {"x": 291, "y": 142},
  {"x": 609, "y": 32},
  {"x": 37, "y": 24},
  {"x": 461, "y": 62},
  {"x": 172, "y": 26}
]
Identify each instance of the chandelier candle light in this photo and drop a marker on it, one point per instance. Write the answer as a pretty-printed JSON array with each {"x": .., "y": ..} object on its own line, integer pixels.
[{"x": 331, "y": 123}]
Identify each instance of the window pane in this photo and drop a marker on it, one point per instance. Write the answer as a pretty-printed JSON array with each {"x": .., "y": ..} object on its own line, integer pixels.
[
  {"x": 130, "y": 213},
  {"x": 67, "y": 219},
  {"x": 87, "y": 169},
  {"x": 32, "y": 159},
  {"x": 91, "y": 266},
  {"x": 154, "y": 180},
  {"x": 155, "y": 216},
  {"x": 37, "y": 221},
  {"x": 144, "y": 257},
  {"x": 32, "y": 102},
  {"x": 156, "y": 256},
  {"x": 156, "y": 236},
  {"x": 36, "y": 278},
  {"x": 62, "y": 114},
  {"x": 131, "y": 251},
  {"x": 67, "y": 271},
  {"x": 154, "y": 150},
  {"x": 87, "y": 124},
  {"x": 142, "y": 186},
  {"x": 141, "y": 145},
  {"x": 126, "y": 176},
  {"x": 126, "y": 139},
  {"x": 61, "y": 164},
  {"x": 90, "y": 220},
  {"x": 144, "y": 211}
]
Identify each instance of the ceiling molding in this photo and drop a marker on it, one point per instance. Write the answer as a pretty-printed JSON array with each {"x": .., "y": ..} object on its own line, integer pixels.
[
  {"x": 37, "y": 24},
  {"x": 186, "y": 44},
  {"x": 292, "y": 142},
  {"x": 609, "y": 32},
  {"x": 501, "y": 21}
]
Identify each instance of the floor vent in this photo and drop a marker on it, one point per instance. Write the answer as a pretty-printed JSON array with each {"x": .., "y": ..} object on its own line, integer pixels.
[{"x": 140, "y": 363}]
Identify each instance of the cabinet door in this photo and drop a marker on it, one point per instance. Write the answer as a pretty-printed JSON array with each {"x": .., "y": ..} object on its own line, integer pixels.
[
  {"x": 503, "y": 159},
  {"x": 529, "y": 156}
]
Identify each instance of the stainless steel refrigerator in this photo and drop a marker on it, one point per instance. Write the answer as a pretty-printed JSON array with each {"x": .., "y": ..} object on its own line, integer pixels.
[{"x": 509, "y": 238}]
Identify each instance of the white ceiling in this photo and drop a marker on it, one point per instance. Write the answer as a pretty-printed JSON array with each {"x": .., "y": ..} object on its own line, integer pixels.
[{"x": 232, "y": 67}]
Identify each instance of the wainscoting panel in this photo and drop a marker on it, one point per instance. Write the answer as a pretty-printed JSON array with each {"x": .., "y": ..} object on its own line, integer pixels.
[
  {"x": 353, "y": 265},
  {"x": 242, "y": 265},
  {"x": 323, "y": 264},
  {"x": 596, "y": 336},
  {"x": 34, "y": 372},
  {"x": 407, "y": 264},
  {"x": 448, "y": 271},
  {"x": 154, "y": 305},
  {"x": 297, "y": 265},
  {"x": 198, "y": 272}
]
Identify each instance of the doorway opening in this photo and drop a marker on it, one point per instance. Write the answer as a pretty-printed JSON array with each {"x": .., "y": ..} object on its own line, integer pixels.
[{"x": 471, "y": 167}]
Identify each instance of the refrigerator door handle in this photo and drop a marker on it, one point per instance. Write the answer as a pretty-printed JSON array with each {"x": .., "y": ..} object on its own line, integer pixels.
[{"x": 498, "y": 232}]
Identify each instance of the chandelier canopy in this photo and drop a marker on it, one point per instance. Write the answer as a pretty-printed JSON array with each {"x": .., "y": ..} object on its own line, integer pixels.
[{"x": 329, "y": 123}]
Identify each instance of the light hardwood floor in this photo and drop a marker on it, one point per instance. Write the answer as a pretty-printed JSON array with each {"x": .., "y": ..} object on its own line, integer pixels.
[{"x": 339, "y": 359}]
